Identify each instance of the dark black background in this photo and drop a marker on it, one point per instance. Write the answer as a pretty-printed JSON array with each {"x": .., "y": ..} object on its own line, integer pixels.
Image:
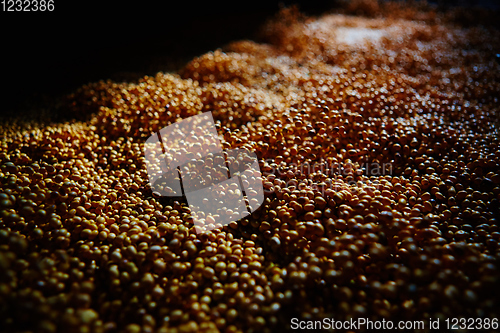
[
  {"x": 45, "y": 55},
  {"x": 48, "y": 54}
]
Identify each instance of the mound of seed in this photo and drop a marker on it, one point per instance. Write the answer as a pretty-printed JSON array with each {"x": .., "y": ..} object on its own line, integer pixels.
[{"x": 379, "y": 147}]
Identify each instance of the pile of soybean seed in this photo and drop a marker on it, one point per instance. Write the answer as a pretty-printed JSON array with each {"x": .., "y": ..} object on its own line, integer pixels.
[{"x": 378, "y": 144}]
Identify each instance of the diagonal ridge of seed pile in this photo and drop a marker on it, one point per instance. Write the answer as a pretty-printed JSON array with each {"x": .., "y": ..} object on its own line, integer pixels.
[{"x": 378, "y": 142}]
